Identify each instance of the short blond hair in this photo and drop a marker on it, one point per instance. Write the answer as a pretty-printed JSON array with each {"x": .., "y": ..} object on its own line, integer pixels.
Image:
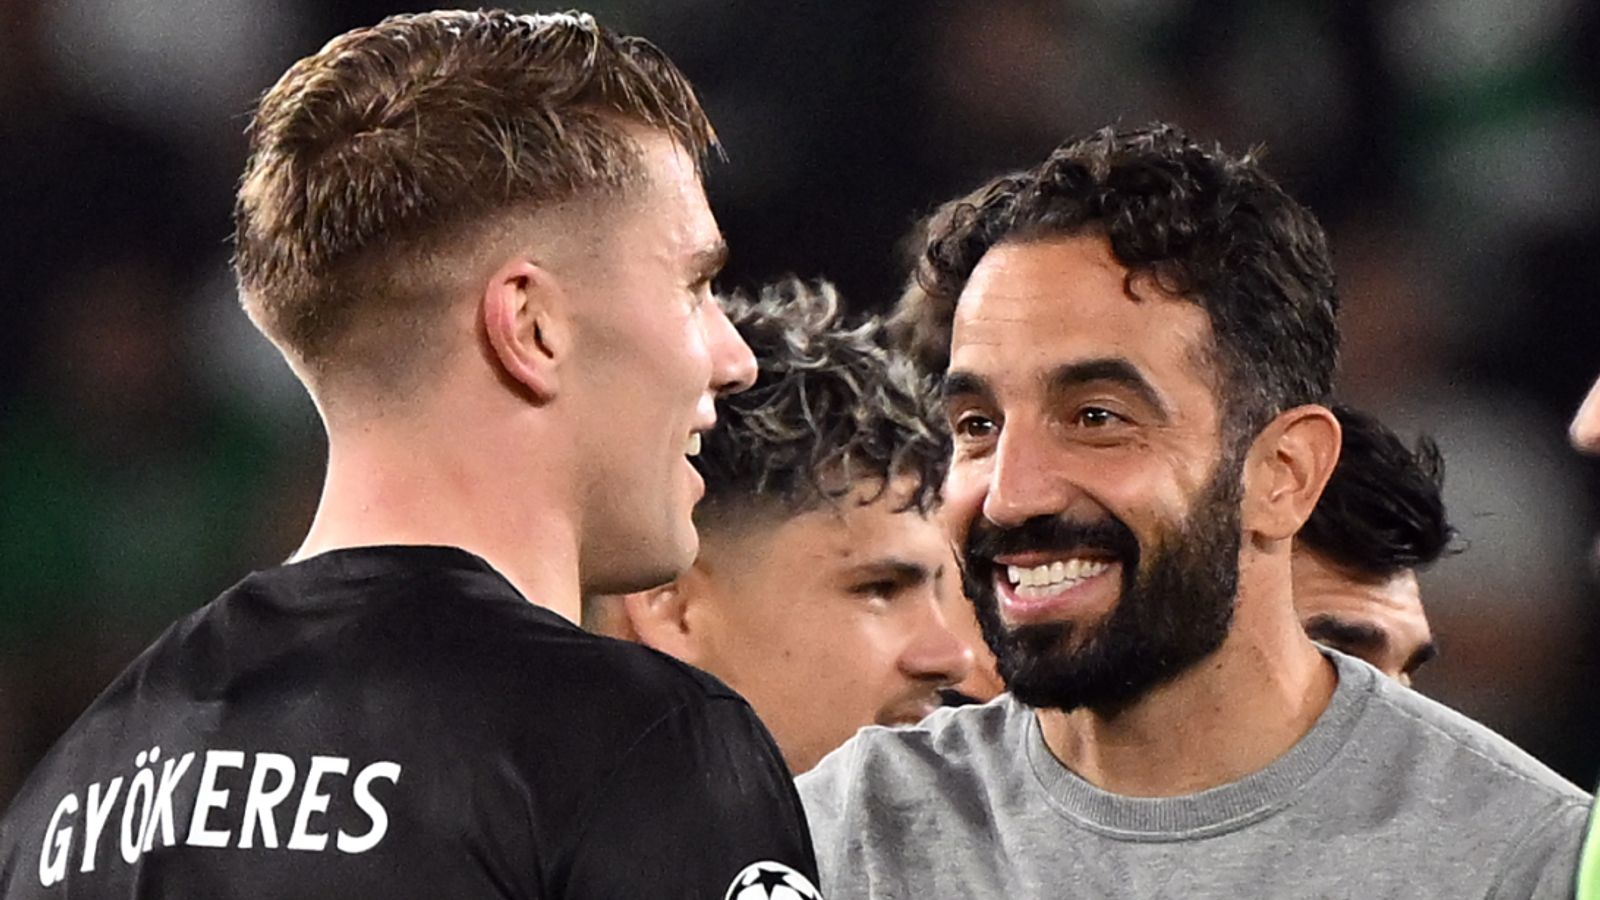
[{"x": 370, "y": 158}]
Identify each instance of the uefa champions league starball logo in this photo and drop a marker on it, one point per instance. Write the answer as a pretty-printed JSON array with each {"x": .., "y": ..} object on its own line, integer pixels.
[{"x": 771, "y": 881}]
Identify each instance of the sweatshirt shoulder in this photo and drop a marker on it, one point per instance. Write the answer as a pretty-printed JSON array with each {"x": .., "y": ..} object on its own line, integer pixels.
[
  {"x": 1471, "y": 757},
  {"x": 952, "y": 744}
]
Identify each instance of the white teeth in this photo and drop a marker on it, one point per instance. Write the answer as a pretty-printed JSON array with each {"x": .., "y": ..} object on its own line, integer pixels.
[
  {"x": 1054, "y": 577},
  {"x": 693, "y": 448}
]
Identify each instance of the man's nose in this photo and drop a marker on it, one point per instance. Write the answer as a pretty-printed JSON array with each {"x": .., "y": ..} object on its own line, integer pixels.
[
  {"x": 1025, "y": 480},
  {"x": 936, "y": 654},
  {"x": 733, "y": 366}
]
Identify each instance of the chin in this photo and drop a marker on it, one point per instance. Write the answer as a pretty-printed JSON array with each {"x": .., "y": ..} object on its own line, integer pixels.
[
  {"x": 638, "y": 578},
  {"x": 644, "y": 562},
  {"x": 687, "y": 542},
  {"x": 671, "y": 559}
]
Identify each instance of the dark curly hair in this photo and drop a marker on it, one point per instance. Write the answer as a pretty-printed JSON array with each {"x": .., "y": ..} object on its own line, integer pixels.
[
  {"x": 1200, "y": 224},
  {"x": 1382, "y": 511},
  {"x": 830, "y": 407}
]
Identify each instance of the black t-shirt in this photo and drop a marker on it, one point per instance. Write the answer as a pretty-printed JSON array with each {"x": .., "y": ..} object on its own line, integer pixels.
[{"x": 399, "y": 722}]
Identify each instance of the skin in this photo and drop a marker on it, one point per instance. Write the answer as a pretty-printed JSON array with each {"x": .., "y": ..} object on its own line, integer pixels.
[
  {"x": 1378, "y": 619},
  {"x": 581, "y": 353},
  {"x": 653, "y": 337},
  {"x": 983, "y": 682},
  {"x": 1585, "y": 429},
  {"x": 1045, "y": 427},
  {"x": 826, "y": 621}
]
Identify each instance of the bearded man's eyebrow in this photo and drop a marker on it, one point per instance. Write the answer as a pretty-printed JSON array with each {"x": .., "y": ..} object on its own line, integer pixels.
[{"x": 1108, "y": 370}]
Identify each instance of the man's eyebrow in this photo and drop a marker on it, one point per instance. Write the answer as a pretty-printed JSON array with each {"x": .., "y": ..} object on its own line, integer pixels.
[
  {"x": 706, "y": 263},
  {"x": 901, "y": 572},
  {"x": 960, "y": 384},
  {"x": 1111, "y": 370},
  {"x": 1345, "y": 633},
  {"x": 1423, "y": 655}
]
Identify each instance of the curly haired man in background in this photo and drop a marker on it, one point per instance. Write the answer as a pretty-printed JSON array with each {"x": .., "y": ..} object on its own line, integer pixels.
[{"x": 820, "y": 589}]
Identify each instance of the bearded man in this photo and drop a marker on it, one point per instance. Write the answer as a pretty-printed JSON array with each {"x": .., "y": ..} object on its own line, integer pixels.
[{"x": 1142, "y": 349}]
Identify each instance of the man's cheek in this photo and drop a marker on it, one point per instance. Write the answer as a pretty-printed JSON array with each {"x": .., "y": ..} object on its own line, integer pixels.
[{"x": 964, "y": 490}]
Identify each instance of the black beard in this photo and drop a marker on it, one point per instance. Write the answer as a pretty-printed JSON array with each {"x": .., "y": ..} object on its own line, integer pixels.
[{"x": 1171, "y": 615}]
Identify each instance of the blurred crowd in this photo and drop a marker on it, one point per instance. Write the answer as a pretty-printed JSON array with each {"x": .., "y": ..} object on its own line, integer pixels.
[{"x": 153, "y": 447}]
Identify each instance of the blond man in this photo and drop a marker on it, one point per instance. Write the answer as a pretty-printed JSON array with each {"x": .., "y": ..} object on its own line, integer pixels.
[{"x": 482, "y": 243}]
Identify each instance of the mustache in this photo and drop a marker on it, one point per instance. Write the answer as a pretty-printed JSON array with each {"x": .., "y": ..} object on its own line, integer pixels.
[{"x": 1052, "y": 534}]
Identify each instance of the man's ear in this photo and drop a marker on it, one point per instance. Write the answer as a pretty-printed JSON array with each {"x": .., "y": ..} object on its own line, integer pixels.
[
  {"x": 668, "y": 618},
  {"x": 1286, "y": 469},
  {"x": 525, "y": 321}
]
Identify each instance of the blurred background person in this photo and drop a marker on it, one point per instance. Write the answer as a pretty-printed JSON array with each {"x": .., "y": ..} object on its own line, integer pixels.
[
  {"x": 1380, "y": 519},
  {"x": 824, "y": 573},
  {"x": 1447, "y": 145},
  {"x": 1585, "y": 428}
]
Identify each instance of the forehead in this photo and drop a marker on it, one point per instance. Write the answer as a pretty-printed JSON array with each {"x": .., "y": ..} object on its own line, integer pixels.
[
  {"x": 670, "y": 205},
  {"x": 865, "y": 526},
  {"x": 1033, "y": 305},
  {"x": 1393, "y": 603}
]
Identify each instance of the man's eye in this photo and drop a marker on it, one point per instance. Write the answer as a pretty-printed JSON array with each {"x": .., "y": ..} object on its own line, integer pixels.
[
  {"x": 876, "y": 589},
  {"x": 1097, "y": 417},
  {"x": 973, "y": 425}
]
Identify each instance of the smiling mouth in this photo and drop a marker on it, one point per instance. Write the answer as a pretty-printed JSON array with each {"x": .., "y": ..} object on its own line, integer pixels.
[{"x": 1051, "y": 578}]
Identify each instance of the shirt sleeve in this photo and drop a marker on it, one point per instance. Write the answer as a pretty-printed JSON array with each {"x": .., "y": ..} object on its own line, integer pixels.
[
  {"x": 1544, "y": 864},
  {"x": 701, "y": 802}
]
